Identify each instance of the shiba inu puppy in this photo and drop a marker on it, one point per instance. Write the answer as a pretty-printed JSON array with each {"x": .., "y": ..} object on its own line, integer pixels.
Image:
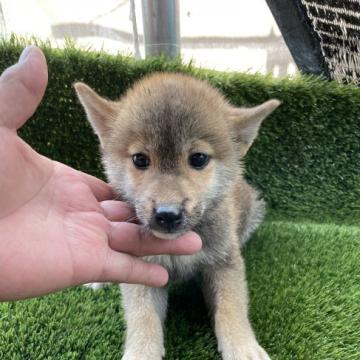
[{"x": 172, "y": 146}]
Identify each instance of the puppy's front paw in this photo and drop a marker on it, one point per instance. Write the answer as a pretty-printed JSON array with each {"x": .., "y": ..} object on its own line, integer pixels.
[
  {"x": 96, "y": 286},
  {"x": 249, "y": 351},
  {"x": 154, "y": 355}
]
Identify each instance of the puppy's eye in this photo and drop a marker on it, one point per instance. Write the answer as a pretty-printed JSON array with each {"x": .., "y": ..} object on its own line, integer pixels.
[
  {"x": 141, "y": 161},
  {"x": 199, "y": 160}
]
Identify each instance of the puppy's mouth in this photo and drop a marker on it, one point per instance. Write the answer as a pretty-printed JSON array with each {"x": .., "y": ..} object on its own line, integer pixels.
[{"x": 167, "y": 235}]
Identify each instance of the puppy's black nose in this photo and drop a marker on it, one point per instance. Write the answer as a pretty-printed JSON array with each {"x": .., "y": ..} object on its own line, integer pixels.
[{"x": 168, "y": 217}]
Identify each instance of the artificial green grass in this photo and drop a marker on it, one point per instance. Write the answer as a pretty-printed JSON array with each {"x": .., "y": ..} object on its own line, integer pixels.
[
  {"x": 302, "y": 264},
  {"x": 304, "y": 284}
]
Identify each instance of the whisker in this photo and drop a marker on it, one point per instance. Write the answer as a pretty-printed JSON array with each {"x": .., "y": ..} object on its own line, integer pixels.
[{"x": 132, "y": 219}]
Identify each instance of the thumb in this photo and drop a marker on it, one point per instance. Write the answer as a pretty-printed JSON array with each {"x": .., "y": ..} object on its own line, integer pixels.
[{"x": 22, "y": 87}]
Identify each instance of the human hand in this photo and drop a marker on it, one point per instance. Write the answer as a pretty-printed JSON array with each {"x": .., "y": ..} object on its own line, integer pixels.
[{"x": 60, "y": 227}]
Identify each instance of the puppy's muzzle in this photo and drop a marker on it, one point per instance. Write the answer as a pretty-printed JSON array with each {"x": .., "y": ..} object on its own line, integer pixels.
[{"x": 167, "y": 218}]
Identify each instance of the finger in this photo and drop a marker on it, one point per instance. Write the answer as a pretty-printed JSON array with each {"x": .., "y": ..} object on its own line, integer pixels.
[
  {"x": 101, "y": 190},
  {"x": 22, "y": 87},
  {"x": 129, "y": 238},
  {"x": 123, "y": 268},
  {"x": 118, "y": 211}
]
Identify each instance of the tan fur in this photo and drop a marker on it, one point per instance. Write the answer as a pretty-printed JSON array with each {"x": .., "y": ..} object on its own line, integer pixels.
[
  {"x": 168, "y": 117},
  {"x": 141, "y": 313}
]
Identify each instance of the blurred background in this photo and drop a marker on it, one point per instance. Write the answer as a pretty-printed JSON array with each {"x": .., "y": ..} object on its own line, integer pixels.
[{"x": 229, "y": 35}]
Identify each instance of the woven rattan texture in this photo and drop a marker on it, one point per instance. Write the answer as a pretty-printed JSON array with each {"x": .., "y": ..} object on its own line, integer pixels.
[{"x": 337, "y": 23}]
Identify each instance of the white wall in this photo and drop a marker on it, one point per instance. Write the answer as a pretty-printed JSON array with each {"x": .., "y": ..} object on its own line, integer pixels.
[{"x": 235, "y": 35}]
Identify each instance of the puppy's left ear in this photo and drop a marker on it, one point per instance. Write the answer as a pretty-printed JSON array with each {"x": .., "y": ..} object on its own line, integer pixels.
[{"x": 248, "y": 121}]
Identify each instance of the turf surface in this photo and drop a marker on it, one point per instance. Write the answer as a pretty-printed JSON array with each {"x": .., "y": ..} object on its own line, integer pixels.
[{"x": 304, "y": 284}]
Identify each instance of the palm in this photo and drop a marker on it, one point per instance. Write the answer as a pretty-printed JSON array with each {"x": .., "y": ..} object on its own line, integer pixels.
[{"x": 79, "y": 227}]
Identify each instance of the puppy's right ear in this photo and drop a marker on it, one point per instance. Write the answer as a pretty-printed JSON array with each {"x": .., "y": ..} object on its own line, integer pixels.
[
  {"x": 248, "y": 120},
  {"x": 100, "y": 112}
]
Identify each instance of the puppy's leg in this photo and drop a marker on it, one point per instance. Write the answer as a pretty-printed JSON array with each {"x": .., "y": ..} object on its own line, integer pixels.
[
  {"x": 145, "y": 311},
  {"x": 96, "y": 286},
  {"x": 226, "y": 291}
]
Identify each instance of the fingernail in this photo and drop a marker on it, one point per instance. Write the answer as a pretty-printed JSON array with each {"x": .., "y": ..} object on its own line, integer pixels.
[{"x": 25, "y": 54}]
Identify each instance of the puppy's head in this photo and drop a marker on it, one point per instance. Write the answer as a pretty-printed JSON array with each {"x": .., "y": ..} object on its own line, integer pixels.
[{"x": 171, "y": 147}]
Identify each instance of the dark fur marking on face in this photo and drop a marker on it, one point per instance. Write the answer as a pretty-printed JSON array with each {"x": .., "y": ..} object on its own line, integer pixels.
[{"x": 166, "y": 135}]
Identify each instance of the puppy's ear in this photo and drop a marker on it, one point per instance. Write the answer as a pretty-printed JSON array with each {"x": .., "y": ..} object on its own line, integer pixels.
[
  {"x": 100, "y": 112},
  {"x": 248, "y": 120}
]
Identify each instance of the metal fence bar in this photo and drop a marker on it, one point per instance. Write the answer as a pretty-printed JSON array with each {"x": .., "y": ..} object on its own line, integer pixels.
[
  {"x": 3, "y": 32},
  {"x": 161, "y": 27}
]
